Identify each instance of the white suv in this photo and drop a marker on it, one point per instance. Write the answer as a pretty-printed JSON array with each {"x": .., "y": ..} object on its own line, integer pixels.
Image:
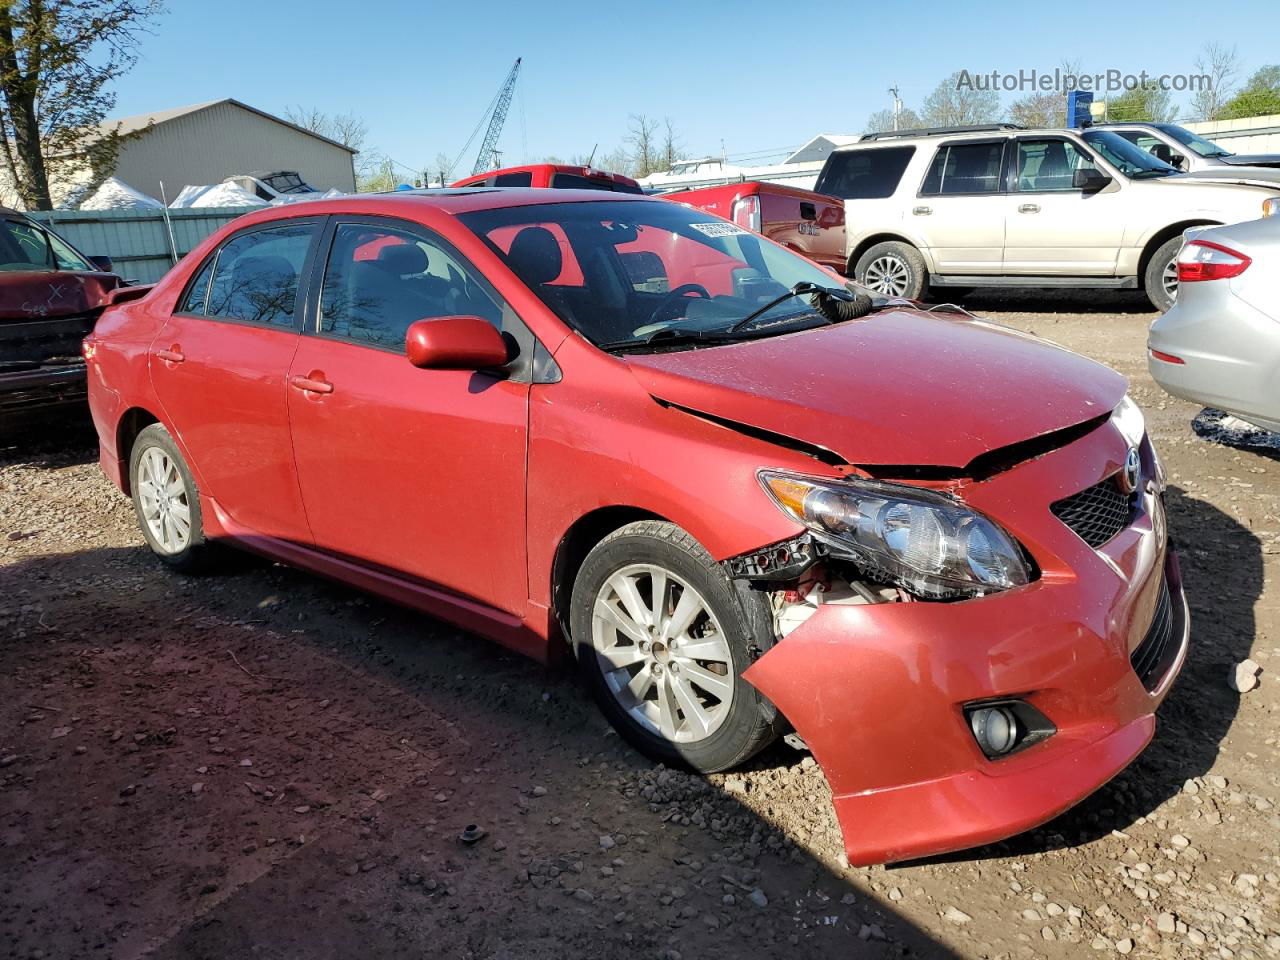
[{"x": 1000, "y": 206}]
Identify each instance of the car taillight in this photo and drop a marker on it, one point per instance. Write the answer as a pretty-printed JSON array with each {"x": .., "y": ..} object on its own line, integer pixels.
[
  {"x": 1202, "y": 260},
  {"x": 746, "y": 213}
]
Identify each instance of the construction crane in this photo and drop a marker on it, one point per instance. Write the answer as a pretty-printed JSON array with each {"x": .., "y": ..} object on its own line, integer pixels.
[{"x": 488, "y": 149}]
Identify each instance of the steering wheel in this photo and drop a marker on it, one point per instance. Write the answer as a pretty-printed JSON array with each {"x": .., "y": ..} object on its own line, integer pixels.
[{"x": 669, "y": 301}]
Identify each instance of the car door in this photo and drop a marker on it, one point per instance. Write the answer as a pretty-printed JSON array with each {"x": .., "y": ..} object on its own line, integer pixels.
[
  {"x": 219, "y": 365},
  {"x": 413, "y": 470},
  {"x": 1054, "y": 228},
  {"x": 959, "y": 213}
]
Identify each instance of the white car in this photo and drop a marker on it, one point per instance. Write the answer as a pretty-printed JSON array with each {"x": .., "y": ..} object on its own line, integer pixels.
[
  {"x": 1001, "y": 206},
  {"x": 1192, "y": 153}
]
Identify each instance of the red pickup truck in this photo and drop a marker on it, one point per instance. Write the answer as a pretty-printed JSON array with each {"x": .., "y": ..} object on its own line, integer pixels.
[
  {"x": 810, "y": 223},
  {"x": 556, "y": 175}
]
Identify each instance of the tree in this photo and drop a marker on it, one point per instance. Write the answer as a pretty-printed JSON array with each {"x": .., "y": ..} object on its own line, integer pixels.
[
  {"x": 1220, "y": 65},
  {"x": 58, "y": 59},
  {"x": 616, "y": 160},
  {"x": 642, "y": 138},
  {"x": 345, "y": 128},
  {"x": 672, "y": 151},
  {"x": 1147, "y": 103},
  {"x": 882, "y": 120},
  {"x": 1039, "y": 110},
  {"x": 953, "y": 104},
  {"x": 1259, "y": 98}
]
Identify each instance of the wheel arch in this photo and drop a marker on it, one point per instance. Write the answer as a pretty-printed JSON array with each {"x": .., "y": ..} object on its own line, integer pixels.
[
  {"x": 1165, "y": 234},
  {"x": 131, "y": 423},
  {"x": 867, "y": 243},
  {"x": 578, "y": 541}
]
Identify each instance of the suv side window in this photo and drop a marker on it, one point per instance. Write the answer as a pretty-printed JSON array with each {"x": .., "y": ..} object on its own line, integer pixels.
[
  {"x": 522, "y": 179},
  {"x": 871, "y": 174},
  {"x": 379, "y": 280},
  {"x": 964, "y": 168},
  {"x": 256, "y": 276},
  {"x": 1044, "y": 166}
]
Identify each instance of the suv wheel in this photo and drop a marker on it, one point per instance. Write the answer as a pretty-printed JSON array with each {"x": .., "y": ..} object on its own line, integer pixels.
[
  {"x": 893, "y": 269},
  {"x": 661, "y": 641},
  {"x": 1161, "y": 279}
]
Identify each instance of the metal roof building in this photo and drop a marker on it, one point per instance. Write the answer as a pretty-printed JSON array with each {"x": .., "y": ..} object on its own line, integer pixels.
[{"x": 208, "y": 142}]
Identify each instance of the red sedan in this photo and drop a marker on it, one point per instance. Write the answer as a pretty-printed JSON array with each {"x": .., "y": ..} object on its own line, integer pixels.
[{"x": 746, "y": 497}]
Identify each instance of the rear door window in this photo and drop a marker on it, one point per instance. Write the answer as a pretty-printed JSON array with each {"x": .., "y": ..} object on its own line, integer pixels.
[
  {"x": 256, "y": 277},
  {"x": 965, "y": 168},
  {"x": 871, "y": 174}
]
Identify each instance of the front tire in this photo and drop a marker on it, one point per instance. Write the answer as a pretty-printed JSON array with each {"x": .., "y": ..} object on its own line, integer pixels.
[
  {"x": 893, "y": 269},
  {"x": 166, "y": 501},
  {"x": 661, "y": 641},
  {"x": 1160, "y": 281}
]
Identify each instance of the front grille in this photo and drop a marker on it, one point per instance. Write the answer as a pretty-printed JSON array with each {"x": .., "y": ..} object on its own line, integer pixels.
[
  {"x": 1150, "y": 658},
  {"x": 1098, "y": 513}
]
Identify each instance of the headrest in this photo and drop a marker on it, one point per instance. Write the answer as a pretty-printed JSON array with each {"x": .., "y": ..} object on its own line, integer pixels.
[
  {"x": 535, "y": 256},
  {"x": 403, "y": 258}
]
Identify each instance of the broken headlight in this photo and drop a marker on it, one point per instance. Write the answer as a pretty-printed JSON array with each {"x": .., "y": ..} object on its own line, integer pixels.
[{"x": 927, "y": 543}]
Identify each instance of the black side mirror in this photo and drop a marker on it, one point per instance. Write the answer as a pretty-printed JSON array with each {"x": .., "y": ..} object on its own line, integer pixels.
[
  {"x": 1089, "y": 180},
  {"x": 1177, "y": 160},
  {"x": 103, "y": 263}
]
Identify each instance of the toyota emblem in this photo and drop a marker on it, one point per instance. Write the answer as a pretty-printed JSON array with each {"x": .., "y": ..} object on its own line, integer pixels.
[{"x": 1128, "y": 477}]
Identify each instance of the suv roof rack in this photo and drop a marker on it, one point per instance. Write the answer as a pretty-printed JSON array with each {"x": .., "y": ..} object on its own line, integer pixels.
[{"x": 937, "y": 131}]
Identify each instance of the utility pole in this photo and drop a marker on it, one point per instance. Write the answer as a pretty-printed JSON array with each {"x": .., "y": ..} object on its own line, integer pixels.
[{"x": 897, "y": 106}]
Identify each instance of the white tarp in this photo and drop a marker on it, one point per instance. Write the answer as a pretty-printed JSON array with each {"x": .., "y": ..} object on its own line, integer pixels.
[
  {"x": 287, "y": 198},
  {"x": 216, "y": 195},
  {"x": 117, "y": 195}
]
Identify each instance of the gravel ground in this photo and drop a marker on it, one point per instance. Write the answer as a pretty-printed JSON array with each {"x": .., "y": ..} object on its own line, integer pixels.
[{"x": 265, "y": 764}]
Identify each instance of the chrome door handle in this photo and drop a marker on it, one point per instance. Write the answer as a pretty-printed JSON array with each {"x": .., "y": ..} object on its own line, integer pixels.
[
  {"x": 922, "y": 211},
  {"x": 310, "y": 385},
  {"x": 1029, "y": 208},
  {"x": 172, "y": 355}
]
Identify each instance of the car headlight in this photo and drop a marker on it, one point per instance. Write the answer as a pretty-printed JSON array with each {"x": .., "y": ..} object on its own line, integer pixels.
[
  {"x": 1271, "y": 206},
  {"x": 927, "y": 543},
  {"x": 1128, "y": 417}
]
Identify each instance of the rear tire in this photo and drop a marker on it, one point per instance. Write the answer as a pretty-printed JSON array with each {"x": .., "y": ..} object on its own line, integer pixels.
[
  {"x": 668, "y": 674},
  {"x": 167, "y": 502},
  {"x": 1160, "y": 280},
  {"x": 893, "y": 269}
]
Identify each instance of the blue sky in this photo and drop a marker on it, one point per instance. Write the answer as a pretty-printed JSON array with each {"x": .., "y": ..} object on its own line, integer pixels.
[{"x": 759, "y": 76}]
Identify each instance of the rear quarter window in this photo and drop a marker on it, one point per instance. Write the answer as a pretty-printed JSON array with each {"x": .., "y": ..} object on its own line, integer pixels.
[{"x": 864, "y": 174}]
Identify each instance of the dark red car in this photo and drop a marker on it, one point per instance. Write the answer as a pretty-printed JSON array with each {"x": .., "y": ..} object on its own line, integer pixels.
[
  {"x": 557, "y": 176},
  {"x": 748, "y": 499},
  {"x": 50, "y": 296}
]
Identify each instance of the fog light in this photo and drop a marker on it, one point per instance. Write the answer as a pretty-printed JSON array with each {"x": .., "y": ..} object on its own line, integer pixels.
[{"x": 996, "y": 729}]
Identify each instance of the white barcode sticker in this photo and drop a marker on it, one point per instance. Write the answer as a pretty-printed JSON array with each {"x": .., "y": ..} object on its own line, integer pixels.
[{"x": 718, "y": 229}]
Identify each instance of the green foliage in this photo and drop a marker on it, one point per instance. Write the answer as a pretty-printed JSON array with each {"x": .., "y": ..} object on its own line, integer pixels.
[
  {"x": 58, "y": 59},
  {"x": 1148, "y": 104},
  {"x": 1251, "y": 103}
]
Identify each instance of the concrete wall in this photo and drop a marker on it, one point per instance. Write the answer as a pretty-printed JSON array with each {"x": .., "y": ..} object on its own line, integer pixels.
[
  {"x": 209, "y": 145},
  {"x": 1250, "y": 135}
]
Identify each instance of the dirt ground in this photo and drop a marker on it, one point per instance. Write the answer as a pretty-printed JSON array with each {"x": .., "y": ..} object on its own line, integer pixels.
[{"x": 264, "y": 764}]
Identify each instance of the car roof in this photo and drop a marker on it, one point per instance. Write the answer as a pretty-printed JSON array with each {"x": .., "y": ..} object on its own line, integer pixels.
[
  {"x": 450, "y": 200},
  {"x": 993, "y": 132}
]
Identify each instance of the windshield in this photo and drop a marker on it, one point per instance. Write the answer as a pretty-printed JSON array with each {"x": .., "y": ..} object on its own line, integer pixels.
[
  {"x": 1206, "y": 148},
  {"x": 620, "y": 272},
  {"x": 1130, "y": 160},
  {"x": 24, "y": 246}
]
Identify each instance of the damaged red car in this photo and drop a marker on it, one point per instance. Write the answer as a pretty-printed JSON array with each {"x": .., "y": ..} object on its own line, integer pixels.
[{"x": 751, "y": 500}]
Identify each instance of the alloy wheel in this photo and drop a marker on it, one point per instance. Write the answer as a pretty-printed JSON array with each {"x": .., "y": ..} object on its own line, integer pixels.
[
  {"x": 164, "y": 501},
  {"x": 888, "y": 275},
  {"x": 1169, "y": 279},
  {"x": 663, "y": 653}
]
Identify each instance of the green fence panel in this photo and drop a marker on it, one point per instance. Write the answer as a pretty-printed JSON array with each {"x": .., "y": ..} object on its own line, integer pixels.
[{"x": 137, "y": 241}]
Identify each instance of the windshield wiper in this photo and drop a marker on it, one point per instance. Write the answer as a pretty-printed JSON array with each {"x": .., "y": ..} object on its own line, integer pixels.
[{"x": 799, "y": 290}]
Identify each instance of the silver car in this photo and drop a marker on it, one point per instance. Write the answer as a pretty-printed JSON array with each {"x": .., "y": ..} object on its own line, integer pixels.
[{"x": 1219, "y": 344}]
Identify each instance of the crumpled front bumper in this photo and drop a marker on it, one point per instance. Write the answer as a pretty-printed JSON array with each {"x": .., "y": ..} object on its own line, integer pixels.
[{"x": 877, "y": 691}]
